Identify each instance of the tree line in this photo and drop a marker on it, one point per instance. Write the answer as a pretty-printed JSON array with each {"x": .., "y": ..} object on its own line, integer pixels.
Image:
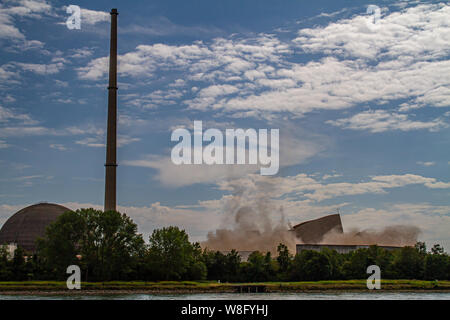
[{"x": 106, "y": 246}]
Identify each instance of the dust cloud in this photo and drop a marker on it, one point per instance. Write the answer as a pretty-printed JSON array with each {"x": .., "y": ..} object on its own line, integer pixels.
[
  {"x": 253, "y": 222},
  {"x": 252, "y": 230},
  {"x": 396, "y": 236}
]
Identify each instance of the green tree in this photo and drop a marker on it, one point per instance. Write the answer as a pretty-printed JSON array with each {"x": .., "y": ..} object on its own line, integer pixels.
[
  {"x": 172, "y": 257},
  {"x": 421, "y": 247},
  {"x": 436, "y": 264},
  {"x": 284, "y": 259},
  {"x": 197, "y": 269},
  {"x": 223, "y": 267},
  {"x": 383, "y": 259},
  {"x": 408, "y": 263},
  {"x": 232, "y": 266},
  {"x": 19, "y": 265},
  {"x": 355, "y": 264},
  {"x": 336, "y": 260},
  {"x": 61, "y": 243},
  {"x": 106, "y": 245},
  {"x": 5, "y": 271},
  {"x": 310, "y": 265},
  {"x": 215, "y": 262},
  {"x": 437, "y": 249},
  {"x": 256, "y": 268}
]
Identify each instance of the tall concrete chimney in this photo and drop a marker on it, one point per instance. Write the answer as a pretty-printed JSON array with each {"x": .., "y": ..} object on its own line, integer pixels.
[{"x": 111, "y": 143}]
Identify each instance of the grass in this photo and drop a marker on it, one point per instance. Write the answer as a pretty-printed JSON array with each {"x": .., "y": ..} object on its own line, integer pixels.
[{"x": 37, "y": 287}]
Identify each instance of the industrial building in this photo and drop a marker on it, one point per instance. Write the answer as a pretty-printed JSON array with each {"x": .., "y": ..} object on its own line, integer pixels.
[
  {"x": 313, "y": 231},
  {"x": 25, "y": 226}
]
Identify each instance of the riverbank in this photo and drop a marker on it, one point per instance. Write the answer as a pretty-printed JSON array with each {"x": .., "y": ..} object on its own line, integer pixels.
[{"x": 183, "y": 287}]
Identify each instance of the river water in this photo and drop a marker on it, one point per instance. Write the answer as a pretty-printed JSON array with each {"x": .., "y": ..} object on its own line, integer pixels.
[{"x": 247, "y": 296}]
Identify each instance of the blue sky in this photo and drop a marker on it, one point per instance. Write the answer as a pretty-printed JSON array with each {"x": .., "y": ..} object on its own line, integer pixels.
[{"x": 362, "y": 108}]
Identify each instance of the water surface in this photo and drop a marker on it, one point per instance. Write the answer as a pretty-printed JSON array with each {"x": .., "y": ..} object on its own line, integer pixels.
[{"x": 246, "y": 296}]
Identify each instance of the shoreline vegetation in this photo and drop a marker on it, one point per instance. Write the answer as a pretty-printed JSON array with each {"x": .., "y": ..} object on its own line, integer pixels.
[
  {"x": 112, "y": 256},
  {"x": 183, "y": 287}
]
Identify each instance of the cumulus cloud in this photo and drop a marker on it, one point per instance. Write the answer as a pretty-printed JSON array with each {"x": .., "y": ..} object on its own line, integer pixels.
[
  {"x": 222, "y": 59},
  {"x": 19, "y": 9},
  {"x": 404, "y": 58},
  {"x": 381, "y": 120},
  {"x": 41, "y": 69},
  {"x": 418, "y": 31},
  {"x": 8, "y": 115},
  {"x": 12, "y": 71},
  {"x": 310, "y": 188},
  {"x": 91, "y": 17},
  {"x": 7, "y": 28}
]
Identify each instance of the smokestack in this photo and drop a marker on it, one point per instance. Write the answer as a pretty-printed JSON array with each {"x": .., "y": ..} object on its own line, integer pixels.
[{"x": 111, "y": 143}]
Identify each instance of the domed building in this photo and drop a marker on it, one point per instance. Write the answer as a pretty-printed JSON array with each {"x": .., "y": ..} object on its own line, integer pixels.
[
  {"x": 28, "y": 224},
  {"x": 313, "y": 231}
]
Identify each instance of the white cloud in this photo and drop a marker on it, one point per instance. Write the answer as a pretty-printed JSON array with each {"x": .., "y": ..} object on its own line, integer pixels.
[
  {"x": 331, "y": 176},
  {"x": 11, "y": 10},
  {"x": 91, "y": 17},
  {"x": 98, "y": 141},
  {"x": 7, "y": 115},
  {"x": 3, "y": 144},
  {"x": 16, "y": 124},
  {"x": 426, "y": 163},
  {"x": 255, "y": 77},
  {"x": 7, "y": 28},
  {"x": 293, "y": 149},
  {"x": 58, "y": 146},
  {"x": 27, "y": 8},
  {"x": 7, "y": 75},
  {"x": 418, "y": 31},
  {"x": 19, "y": 131},
  {"x": 380, "y": 120},
  {"x": 41, "y": 69},
  {"x": 217, "y": 90},
  {"x": 82, "y": 53},
  {"x": 308, "y": 187},
  {"x": 173, "y": 175},
  {"x": 95, "y": 70},
  {"x": 233, "y": 57}
]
